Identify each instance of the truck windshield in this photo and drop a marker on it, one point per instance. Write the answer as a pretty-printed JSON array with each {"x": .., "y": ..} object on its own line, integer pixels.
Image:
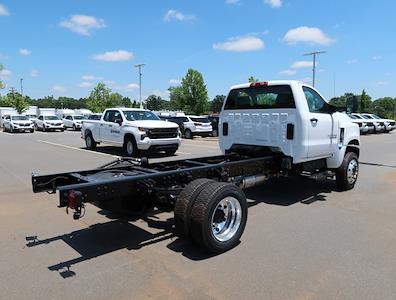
[
  {"x": 19, "y": 118},
  {"x": 78, "y": 117},
  {"x": 261, "y": 97},
  {"x": 138, "y": 115},
  {"x": 51, "y": 118},
  {"x": 367, "y": 117}
]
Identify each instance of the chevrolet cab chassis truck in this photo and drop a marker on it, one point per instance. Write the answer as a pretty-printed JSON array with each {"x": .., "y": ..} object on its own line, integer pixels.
[{"x": 267, "y": 129}]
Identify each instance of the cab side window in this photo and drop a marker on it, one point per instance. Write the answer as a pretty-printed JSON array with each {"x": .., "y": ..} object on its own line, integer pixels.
[
  {"x": 41, "y": 118},
  {"x": 316, "y": 103}
]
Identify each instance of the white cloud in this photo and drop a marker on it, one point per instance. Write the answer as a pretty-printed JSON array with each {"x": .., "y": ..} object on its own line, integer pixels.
[
  {"x": 34, "y": 73},
  {"x": 300, "y": 64},
  {"x": 5, "y": 74},
  {"x": 4, "y": 11},
  {"x": 82, "y": 24},
  {"x": 90, "y": 78},
  {"x": 118, "y": 55},
  {"x": 377, "y": 57},
  {"x": 232, "y": 1},
  {"x": 307, "y": 80},
  {"x": 241, "y": 44},
  {"x": 58, "y": 89},
  {"x": 109, "y": 82},
  {"x": 85, "y": 84},
  {"x": 132, "y": 87},
  {"x": 382, "y": 82},
  {"x": 352, "y": 61},
  {"x": 309, "y": 35},
  {"x": 24, "y": 51},
  {"x": 175, "y": 82},
  {"x": 177, "y": 15},
  {"x": 274, "y": 3},
  {"x": 288, "y": 72},
  {"x": 162, "y": 94}
]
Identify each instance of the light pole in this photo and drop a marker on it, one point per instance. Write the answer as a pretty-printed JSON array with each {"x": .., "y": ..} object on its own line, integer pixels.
[
  {"x": 314, "y": 63},
  {"x": 21, "y": 86},
  {"x": 140, "y": 83}
]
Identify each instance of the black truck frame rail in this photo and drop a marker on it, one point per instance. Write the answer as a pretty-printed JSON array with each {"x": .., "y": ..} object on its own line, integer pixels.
[{"x": 137, "y": 180}]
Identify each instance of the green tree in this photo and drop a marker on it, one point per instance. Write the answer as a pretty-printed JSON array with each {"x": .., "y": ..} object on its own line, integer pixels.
[
  {"x": 115, "y": 100},
  {"x": 251, "y": 79},
  {"x": 194, "y": 92},
  {"x": 2, "y": 85},
  {"x": 154, "y": 102},
  {"x": 177, "y": 100},
  {"x": 385, "y": 107},
  {"x": 126, "y": 102},
  {"x": 364, "y": 102},
  {"x": 99, "y": 98},
  {"x": 217, "y": 103},
  {"x": 17, "y": 101}
]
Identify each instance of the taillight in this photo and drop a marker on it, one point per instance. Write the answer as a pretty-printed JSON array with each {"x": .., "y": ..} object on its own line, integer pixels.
[{"x": 72, "y": 199}]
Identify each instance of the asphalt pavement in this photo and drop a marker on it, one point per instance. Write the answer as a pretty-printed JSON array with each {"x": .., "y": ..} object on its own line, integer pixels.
[{"x": 303, "y": 240}]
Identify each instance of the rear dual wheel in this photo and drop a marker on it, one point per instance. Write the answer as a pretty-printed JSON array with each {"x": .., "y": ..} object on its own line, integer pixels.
[{"x": 213, "y": 214}]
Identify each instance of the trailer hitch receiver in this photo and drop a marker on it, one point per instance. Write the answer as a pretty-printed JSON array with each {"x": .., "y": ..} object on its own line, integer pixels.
[{"x": 75, "y": 202}]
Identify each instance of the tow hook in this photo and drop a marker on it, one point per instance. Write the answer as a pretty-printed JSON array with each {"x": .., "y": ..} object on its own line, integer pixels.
[{"x": 75, "y": 201}]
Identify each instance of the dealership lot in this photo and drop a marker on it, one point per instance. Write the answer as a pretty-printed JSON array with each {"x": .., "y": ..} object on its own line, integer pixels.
[{"x": 304, "y": 239}]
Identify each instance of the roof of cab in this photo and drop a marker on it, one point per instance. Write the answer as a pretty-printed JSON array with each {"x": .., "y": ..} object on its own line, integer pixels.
[{"x": 271, "y": 82}]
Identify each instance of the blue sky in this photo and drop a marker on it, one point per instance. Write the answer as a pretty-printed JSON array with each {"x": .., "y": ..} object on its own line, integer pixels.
[{"x": 65, "y": 47}]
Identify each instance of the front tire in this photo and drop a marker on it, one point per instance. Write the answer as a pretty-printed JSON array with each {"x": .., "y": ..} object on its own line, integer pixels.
[
  {"x": 219, "y": 216},
  {"x": 347, "y": 173},
  {"x": 188, "y": 134},
  {"x": 130, "y": 147},
  {"x": 90, "y": 142}
]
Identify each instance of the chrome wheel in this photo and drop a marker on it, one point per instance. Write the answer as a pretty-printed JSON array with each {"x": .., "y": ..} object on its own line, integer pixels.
[
  {"x": 352, "y": 171},
  {"x": 88, "y": 142},
  {"x": 226, "y": 219},
  {"x": 129, "y": 148}
]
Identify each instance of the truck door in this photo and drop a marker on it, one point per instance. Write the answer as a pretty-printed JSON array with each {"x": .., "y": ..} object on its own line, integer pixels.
[
  {"x": 321, "y": 135},
  {"x": 110, "y": 130}
]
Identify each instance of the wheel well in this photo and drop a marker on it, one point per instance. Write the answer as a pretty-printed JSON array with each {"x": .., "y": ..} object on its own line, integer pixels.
[
  {"x": 353, "y": 146},
  {"x": 88, "y": 132},
  {"x": 129, "y": 135}
]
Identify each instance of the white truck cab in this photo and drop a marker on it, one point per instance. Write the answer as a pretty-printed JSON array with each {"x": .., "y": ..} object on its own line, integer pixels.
[
  {"x": 289, "y": 118},
  {"x": 134, "y": 129}
]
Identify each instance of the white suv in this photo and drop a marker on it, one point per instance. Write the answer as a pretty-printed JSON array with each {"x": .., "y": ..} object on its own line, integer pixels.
[
  {"x": 197, "y": 125},
  {"x": 73, "y": 121},
  {"x": 379, "y": 126},
  {"x": 389, "y": 125},
  {"x": 47, "y": 123},
  {"x": 18, "y": 124}
]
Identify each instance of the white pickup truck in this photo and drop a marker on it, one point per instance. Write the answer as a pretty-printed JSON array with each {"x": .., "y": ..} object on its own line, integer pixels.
[
  {"x": 292, "y": 119},
  {"x": 133, "y": 129}
]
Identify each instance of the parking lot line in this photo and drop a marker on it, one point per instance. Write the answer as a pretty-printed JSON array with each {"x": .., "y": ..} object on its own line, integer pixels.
[{"x": 75, "y": 148}]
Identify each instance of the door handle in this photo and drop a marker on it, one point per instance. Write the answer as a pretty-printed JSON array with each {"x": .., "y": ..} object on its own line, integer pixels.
[
  {"x": 110, "y": 125},
  {"x": 314, "y": 120},
  {"x": 101, "y": 124}
]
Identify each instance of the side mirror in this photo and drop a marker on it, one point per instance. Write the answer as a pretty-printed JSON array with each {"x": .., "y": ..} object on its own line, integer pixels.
[{"x": 118, "y": 121}]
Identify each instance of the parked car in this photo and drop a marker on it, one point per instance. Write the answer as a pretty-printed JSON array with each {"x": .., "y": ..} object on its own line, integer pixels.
[
  {"x": 133, "y": 129},
  {"x": 214, "y": 121},
  {"x": 364, "y": 128},
  {"x": 18, "y": 124},
  {"x": 94, "y": 117},
  {"x": 202, "y": 127},
  {"x": 378, "y": 126},
  {"x": 389, "y": 125},
  {"x": 73, "y": 121},
  {"x": 49, "y": 123},
  {"x": 31, "y": 117}
]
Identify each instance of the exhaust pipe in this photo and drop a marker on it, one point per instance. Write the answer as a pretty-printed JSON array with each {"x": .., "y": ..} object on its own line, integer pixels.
[{"x": 252, "y": 181}]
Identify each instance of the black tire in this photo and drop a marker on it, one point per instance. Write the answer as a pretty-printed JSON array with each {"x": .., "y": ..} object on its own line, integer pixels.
[
  {"x": 215, "y": 133},
  {"x": 4, "y": 129},
  {"x": 43, "y": 128},
  {"x": 31, "y": 130},
  {"x": 74, "y": 127},
  {"x": 205, "y": 209},
  {"x": 184, "y": 204},
  {"x": 11, "y": 129},
  {"x": 347, "y": 173},
  {"x": 171, "y": 152},
  {"x": 90, "y": 142},
  {"x": 188, "y": 134},
  {"x": 62, "y": 130},
  {"x": 130, "y": 147}
]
